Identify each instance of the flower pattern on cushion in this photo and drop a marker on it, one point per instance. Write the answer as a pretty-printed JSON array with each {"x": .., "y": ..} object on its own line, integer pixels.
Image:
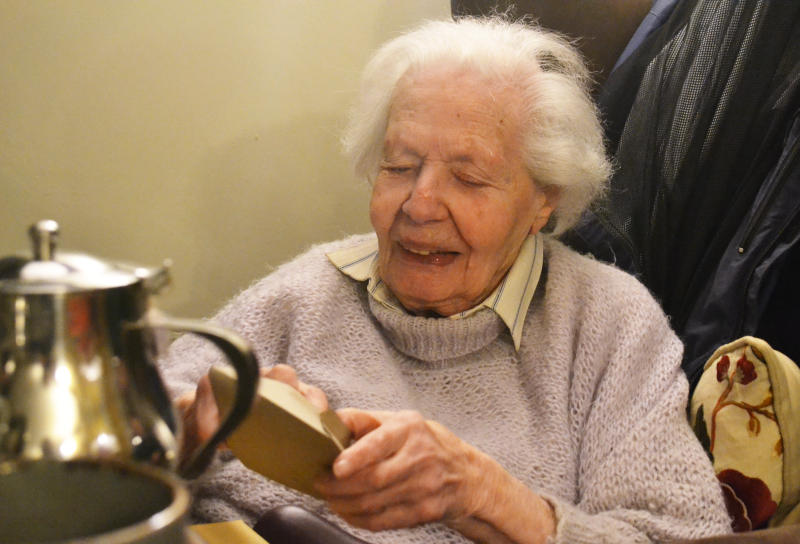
[
  {"x": 743, "y": 373},
  {"x": 734, "y": 418},
  {"x": 748, "y": 500}
]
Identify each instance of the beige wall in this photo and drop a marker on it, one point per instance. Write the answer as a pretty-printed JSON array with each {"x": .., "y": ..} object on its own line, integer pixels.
[{"x": 204, "y": 132}]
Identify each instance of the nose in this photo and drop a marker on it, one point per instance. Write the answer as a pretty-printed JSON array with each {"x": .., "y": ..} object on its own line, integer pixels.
[{"x": 426, "y": 201}]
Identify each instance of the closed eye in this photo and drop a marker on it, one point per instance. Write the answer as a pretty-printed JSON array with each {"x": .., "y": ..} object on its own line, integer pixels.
[
  {"x": 470, "y": 181},
  {"x": 397, "y": 169}
]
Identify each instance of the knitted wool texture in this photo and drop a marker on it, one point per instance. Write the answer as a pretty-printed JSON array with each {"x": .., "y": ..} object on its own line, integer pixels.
[{"x": 590, "y": 413}]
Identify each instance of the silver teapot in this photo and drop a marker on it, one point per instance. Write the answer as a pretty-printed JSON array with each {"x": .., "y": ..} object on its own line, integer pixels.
[{"x": 79, "y": 337}]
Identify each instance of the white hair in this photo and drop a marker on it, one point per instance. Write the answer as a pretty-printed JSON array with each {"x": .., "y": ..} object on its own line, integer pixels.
[{"x": 563, "y": 143}]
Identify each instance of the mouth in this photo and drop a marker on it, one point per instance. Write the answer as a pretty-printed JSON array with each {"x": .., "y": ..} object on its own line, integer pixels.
[
  {"x": 428, "y": 256},
  {"x": 423, "y": 252}
]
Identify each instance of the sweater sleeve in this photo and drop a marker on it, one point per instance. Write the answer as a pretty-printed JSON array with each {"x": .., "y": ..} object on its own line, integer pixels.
[
  {"x": 643, "y": 476},
  {"x": 263, "y": 315}
]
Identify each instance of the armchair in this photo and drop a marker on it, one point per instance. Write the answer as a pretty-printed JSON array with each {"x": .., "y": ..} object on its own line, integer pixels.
[{"x": 289, "y": 524}]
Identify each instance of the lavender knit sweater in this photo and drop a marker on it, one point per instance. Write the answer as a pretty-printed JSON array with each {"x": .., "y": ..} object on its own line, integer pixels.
[{"x": 590, "y": 412}]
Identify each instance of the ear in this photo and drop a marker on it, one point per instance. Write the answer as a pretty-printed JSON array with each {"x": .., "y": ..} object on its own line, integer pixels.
[{"x": 547, "y": 201}]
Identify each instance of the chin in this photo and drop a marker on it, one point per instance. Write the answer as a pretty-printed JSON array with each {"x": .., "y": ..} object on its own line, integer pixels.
[
  {"x": 418, "y": 305},
  {"x": 423, "y": 295},
  {"x": 429, "y": 306}
]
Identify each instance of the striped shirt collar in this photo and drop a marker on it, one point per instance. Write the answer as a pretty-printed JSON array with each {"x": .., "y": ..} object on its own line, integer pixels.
[{"x": 510, "y": 300}]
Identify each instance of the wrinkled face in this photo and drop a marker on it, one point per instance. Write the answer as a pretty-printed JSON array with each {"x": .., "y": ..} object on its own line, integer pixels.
[{"x": 453, "y": 201}]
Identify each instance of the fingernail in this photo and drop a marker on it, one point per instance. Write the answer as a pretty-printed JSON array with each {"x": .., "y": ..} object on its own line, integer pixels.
[{"x": 341, "y": 468}]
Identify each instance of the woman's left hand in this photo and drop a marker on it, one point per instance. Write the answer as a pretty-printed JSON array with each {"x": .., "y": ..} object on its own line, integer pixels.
[{"x": 404, "y": 470}]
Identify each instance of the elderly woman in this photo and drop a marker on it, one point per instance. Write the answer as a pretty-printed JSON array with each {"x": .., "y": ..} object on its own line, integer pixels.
[{"x": 500, "y": 387}]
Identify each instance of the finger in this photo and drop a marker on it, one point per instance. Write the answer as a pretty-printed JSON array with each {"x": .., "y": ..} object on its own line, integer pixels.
[
  {"x": 377, "y": 444},
  {"x": 283, "y": 373},
  {"x": 410, "y": 475},
  {"x": 360, "y": 422},
  {"x": 206, "y": 411},
  {"x": 398, "y": 515},
  {"x": 183, "y": 402},
  {"x": 387, "y": 486},
  {"x": 315, "y": 395},
  {"x": 391, "y": 473},
  {"x": 200, "y": 416}
]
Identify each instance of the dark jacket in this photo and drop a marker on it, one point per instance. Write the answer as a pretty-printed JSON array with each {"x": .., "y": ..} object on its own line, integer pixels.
[{"x": 703, "y": 119}]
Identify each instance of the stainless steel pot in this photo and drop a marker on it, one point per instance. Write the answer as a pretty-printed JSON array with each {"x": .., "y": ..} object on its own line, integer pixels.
[
  {"x": 92, "y": 502},
  {"x": 77, "y": 362}
]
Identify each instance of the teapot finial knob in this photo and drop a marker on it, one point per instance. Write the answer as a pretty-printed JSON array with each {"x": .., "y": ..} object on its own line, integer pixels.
[{"x": 44, "y": 234}]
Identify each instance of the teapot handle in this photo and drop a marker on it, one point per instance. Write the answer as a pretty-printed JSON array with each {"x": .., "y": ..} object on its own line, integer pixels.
[{"x": 241, "y": 355}]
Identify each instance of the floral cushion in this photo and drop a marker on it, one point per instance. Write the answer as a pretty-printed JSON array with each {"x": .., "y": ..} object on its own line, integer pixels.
[{"x": 746, "y": 412}]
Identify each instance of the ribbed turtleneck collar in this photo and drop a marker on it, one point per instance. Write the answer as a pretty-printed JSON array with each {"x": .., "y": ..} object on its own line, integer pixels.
[{"x": 436, "y": 338}]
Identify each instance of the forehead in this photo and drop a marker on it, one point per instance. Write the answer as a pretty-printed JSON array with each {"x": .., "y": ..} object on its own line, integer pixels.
[{"x": 457, "y": 107}]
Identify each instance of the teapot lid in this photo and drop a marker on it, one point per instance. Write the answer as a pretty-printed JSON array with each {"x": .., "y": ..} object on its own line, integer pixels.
[{"x": 48, "y": 271}]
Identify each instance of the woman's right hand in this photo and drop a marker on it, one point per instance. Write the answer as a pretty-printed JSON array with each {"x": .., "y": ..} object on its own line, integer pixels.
[{"x": 200, "y": 414}]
